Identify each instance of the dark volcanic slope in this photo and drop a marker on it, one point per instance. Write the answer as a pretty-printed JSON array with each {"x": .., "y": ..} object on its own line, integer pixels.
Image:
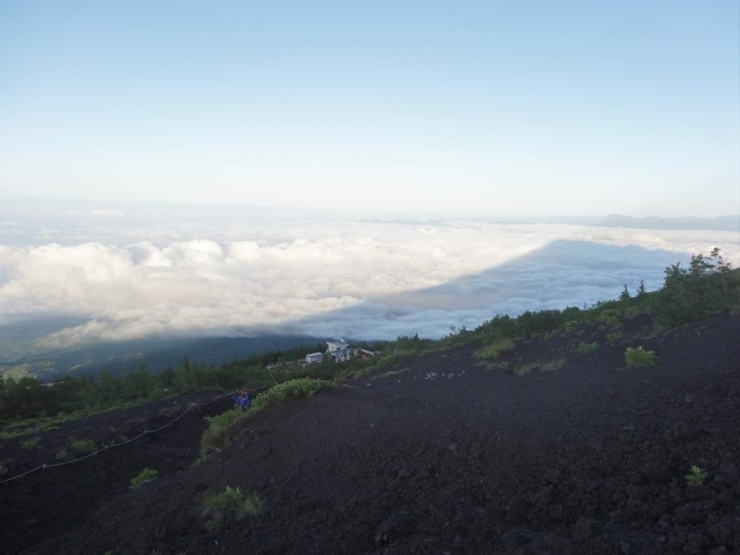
[{"x": 448, "y": 457}]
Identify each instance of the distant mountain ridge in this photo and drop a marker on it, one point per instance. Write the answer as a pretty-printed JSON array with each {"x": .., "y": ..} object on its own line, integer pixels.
[{"x": 719, "y": 223}]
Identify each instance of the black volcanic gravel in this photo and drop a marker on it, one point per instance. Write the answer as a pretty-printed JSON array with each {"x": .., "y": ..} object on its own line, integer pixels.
[{"x": 436, "y": 455}]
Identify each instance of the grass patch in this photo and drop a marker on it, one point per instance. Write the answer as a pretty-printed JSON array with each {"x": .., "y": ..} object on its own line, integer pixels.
[
  {"x": 495, "y": 349},
  {"x": 220, "y": 431},
  {"x": 143, "y": 477},
  {"x": 609, "y": 317},
  {"x": 3, "y": 468},
  {"x": 302, "y": 387},
  {"x": 502, "y": 365},
  {"x": 84, "y": 446},
  {"x": 221, "y": 428},
  {"x": 614, "y": 336},
  {"x": 588, "y": 348},
  {"x": 30, "y": 443},
  {"x": 637, "y": 356},
  {"x": 231, "y": 501},
  {"x": 540, "y": 366}
]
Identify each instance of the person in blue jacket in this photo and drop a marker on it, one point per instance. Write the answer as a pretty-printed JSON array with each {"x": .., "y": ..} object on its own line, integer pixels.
[{"x": 242, "y": 400}]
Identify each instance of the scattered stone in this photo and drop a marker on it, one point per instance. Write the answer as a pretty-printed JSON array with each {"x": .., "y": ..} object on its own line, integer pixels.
[
  {"x": 595, "y": 443},
  {"x": 585, "y": 529},
  {"x": 635, "y": 492},
  {"x": 543, "y": 497},
  {"x": 721, "y": 532},
  {"x": 553, "y": 476}
]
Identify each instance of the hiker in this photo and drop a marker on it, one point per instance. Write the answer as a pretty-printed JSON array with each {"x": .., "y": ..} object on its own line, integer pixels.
[{"x": 242, "y": 400}]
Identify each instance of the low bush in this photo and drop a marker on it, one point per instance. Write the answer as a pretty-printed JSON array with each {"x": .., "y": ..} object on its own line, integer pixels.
[
  {"x": 84, "y": 446},
  {"x": 495, "y": 365},
  {"x": 302, "y": 387},
  {"x": 495, "y": 349},
  {"x": 637, "y": 356},
  {"x": 146, "y": 475},
  {"x": 220, "y": 431},
  {"x": 609, "y": 317},
  {"x": 3, "y": 469},
  {"x": 614, "y": 336},
  {"x": 30, "y": 443},
  {"x": 707, "y": 287},
  {"x": 587, "y": 348},
  {"x": 231, "y": 501},
  {"x": 542, "y": 366}
]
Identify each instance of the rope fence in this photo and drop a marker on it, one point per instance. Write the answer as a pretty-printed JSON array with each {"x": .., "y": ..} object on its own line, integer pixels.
[{"x": 142, "y": 434}]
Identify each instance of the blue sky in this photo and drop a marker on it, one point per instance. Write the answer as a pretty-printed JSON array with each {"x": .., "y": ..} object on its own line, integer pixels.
[{"x": 469, "y": 108}]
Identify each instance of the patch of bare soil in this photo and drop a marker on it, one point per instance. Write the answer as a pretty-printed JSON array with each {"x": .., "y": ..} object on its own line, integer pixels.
[{"x": 440, "y": 455}]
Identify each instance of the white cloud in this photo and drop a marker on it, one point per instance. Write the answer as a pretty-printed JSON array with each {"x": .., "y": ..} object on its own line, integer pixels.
[{"x": 371, "y": 280}]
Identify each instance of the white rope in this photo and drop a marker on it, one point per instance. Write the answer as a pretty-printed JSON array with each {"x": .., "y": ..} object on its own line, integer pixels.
[{"x": 142, "y": 434}]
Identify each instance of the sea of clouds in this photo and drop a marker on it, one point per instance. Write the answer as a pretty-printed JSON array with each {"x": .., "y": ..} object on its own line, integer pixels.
[{"x": 132, "y": 277}]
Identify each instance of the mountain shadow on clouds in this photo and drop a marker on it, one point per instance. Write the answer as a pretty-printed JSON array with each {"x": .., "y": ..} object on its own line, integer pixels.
[{"x": 562, "y": 273}]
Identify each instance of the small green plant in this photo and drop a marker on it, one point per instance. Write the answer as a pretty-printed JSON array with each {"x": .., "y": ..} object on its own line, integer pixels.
[
  {"x": 526, "y": 369},
  {"x": 614, "y": 336},
  {"x": 220, "y": 430},
  {"x": 588, "y": 348},
  {"x": 609, "y": 317},
  {"x": 30, "y": 443},
  {"x": 542, "y": 366},
  {"x": 302, "y": 387},
  {"x": 697, "y": 476},
  {"x": 637, "y": 356},
  {"x": 146, "y": 475},
  {"x": 231, "y": 501},
  {"x": 3, "y": 470},
  {"x": 61, "y": 454},
  {"x": 253, "y": 504},
  {"x": 84, "y": 446},
  {"x": 495, "y": 365},
  {"x": 495, "y": 349}
]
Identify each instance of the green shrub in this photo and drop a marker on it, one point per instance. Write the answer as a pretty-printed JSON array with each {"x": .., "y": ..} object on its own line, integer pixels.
[
  {"x": 3, "y": 470},
  {"x": 220, "y": 430},
  {"x": 542, "y": 366},
  {"x": 146, "y": 475},
  {"x": 495, "y": 349},
  {"x": 231, "y": 501},
  {"x": 495, "y": 365},
  {"x": 638, "y": 356},
  {"x": 30, "y": 443},
  {"x": 609, "y": 317},
  {"x": 84, "y": 446},
  {"x": 61, "y": 454},
  {"x": 614, "y": 336},
  {"x": 632, "y": 311},
  {"x": 708, "y": 286},
  {"x": 302, "y": 387},
  {"x": 587, "y": 348}
]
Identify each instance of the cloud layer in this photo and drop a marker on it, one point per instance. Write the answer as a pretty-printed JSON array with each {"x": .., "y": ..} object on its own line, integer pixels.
[{"x": 365, "y": 280}]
